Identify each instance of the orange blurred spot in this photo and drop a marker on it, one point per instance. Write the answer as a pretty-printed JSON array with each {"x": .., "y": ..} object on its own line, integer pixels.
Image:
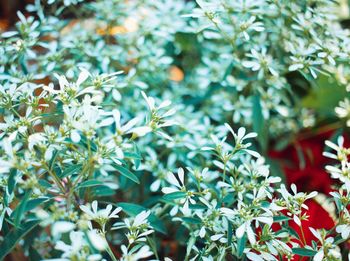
[
  {"x": 4, "y": 24},
  {"x": 112, "y": 30},
  {"x": 176, "y": 74},
  {"x": 130, "y": 25},
  {"x": 68, "y": 28}
]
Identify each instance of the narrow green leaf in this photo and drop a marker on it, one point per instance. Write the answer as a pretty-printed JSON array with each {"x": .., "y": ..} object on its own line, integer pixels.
[
  {"x": 174, "y": 195},
  {"x": 127, "y": 173},
  {"x": 103, "y": 191},
  {"x": 71, "y": 170},
  {"x": 11, "y": 181},
  {"x": 281, "y": 218},
  {"x": 293, "y": 232},
  {"x": 259, "y": 124},
  {"x": 44, "y": 183},
  {"x": 190, "y": 245},
  {"x": 130, "y": 208},
  {"x": 53, "y": 159},
  {"x": 12, "y": 238},
  {"x": 32, "y": 204},
  {"x": 18, "y": 213},
  {"x": 137, "y": 159},
  {"x": 192, "y": 220},
  {"x": 241, "y": 245},
  {"x": 304, "y": 252},
  {"x": 89, "y": 183},
  {"x": 229, "y": 233}
]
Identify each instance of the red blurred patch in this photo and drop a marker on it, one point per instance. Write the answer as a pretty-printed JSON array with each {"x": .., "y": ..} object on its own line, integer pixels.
[{"x": 308, "y": 174}]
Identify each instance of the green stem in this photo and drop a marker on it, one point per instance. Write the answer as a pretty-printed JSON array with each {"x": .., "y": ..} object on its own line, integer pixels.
[
  {"x": 56, "y": 179},
  {"x": 302, "y": 231},
  {"x": 110, "y": 252},
  {"x": 224, "y": 173}
]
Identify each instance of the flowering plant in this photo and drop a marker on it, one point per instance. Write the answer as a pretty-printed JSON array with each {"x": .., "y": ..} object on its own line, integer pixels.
[{"x": 170, "y": 130}]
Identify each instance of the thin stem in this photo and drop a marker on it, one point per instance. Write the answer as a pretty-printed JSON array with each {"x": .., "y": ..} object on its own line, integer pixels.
[
  {"x": 224, "y": 173},
  {"x": 56, "y": 179},
  {"x": 110, "y": 252},
  {"x": 302, "y": 231}
]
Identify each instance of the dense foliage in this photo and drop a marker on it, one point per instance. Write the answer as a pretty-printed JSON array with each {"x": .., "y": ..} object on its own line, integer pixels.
[{"x": 149, "y": 130}]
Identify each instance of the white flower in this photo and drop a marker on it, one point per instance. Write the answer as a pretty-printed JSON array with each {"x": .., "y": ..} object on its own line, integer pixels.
[
  {"x": 76, "y": 248},
  {"x": 75, "y": 88},
  {"x": 344, "y": 230},
  {"x": 36, "y": 139},
  {"x": 341, "y": 152},
  {"x": 240, "y": 137},
  {"x": 129, "y": 126},
  {"x": 101, "y": 216},
  {"x": 343, "y": 110},
  {"x": 261, "y": 62},
  {"x": 97, "y": 240},
  {"x": 254, "y": 257},
  {"x": 139, "y": 227},
  {"x": 179, "y": 186},
  {"x": 61, "y": 227},
  {"x": 141, "y": 253},
  {"x": 141, "y": 218},
  {"x": 158, "y": 120}
]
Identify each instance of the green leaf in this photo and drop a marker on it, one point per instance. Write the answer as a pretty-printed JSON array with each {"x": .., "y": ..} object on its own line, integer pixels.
[
  {"x": 130, "y": 208},
  {"x": 276, "y": 168},
  {"x": 11, "y": 181},
  {"x": 259, "y": 124},
  {"x": 126, "y": 173},
  {"x": 89, "y": 183},
  {"x": 137, "y": 159},
  {"x": 175, "y": 195},
  {"x": 192, "y": 220},
  {"x": 325, "y": 96},
  {"x": 45, "y": 183},
  {"x": 32, "y": 204},
  {"x": 34, "y": 254},
  {"x": 293, "y": 232},
  {"x": 53, "y": 159},
  {"x": 71, "y": 170},
  {"x": 18, "y": 213},
  {"x": 229, "y": 233},
  {"x": 304, "y": 252},
  {"x": 241, "y": 245},
  {"x": 281, "y": 218},
  {"x": 12, "y": 238},
  {"x": 103, "y": 191},
  {"x": 190, "y": 245}
]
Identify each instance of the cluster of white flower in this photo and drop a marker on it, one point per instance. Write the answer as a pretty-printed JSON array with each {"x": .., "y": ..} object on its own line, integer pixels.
[{"x": 244, "y": 201}]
